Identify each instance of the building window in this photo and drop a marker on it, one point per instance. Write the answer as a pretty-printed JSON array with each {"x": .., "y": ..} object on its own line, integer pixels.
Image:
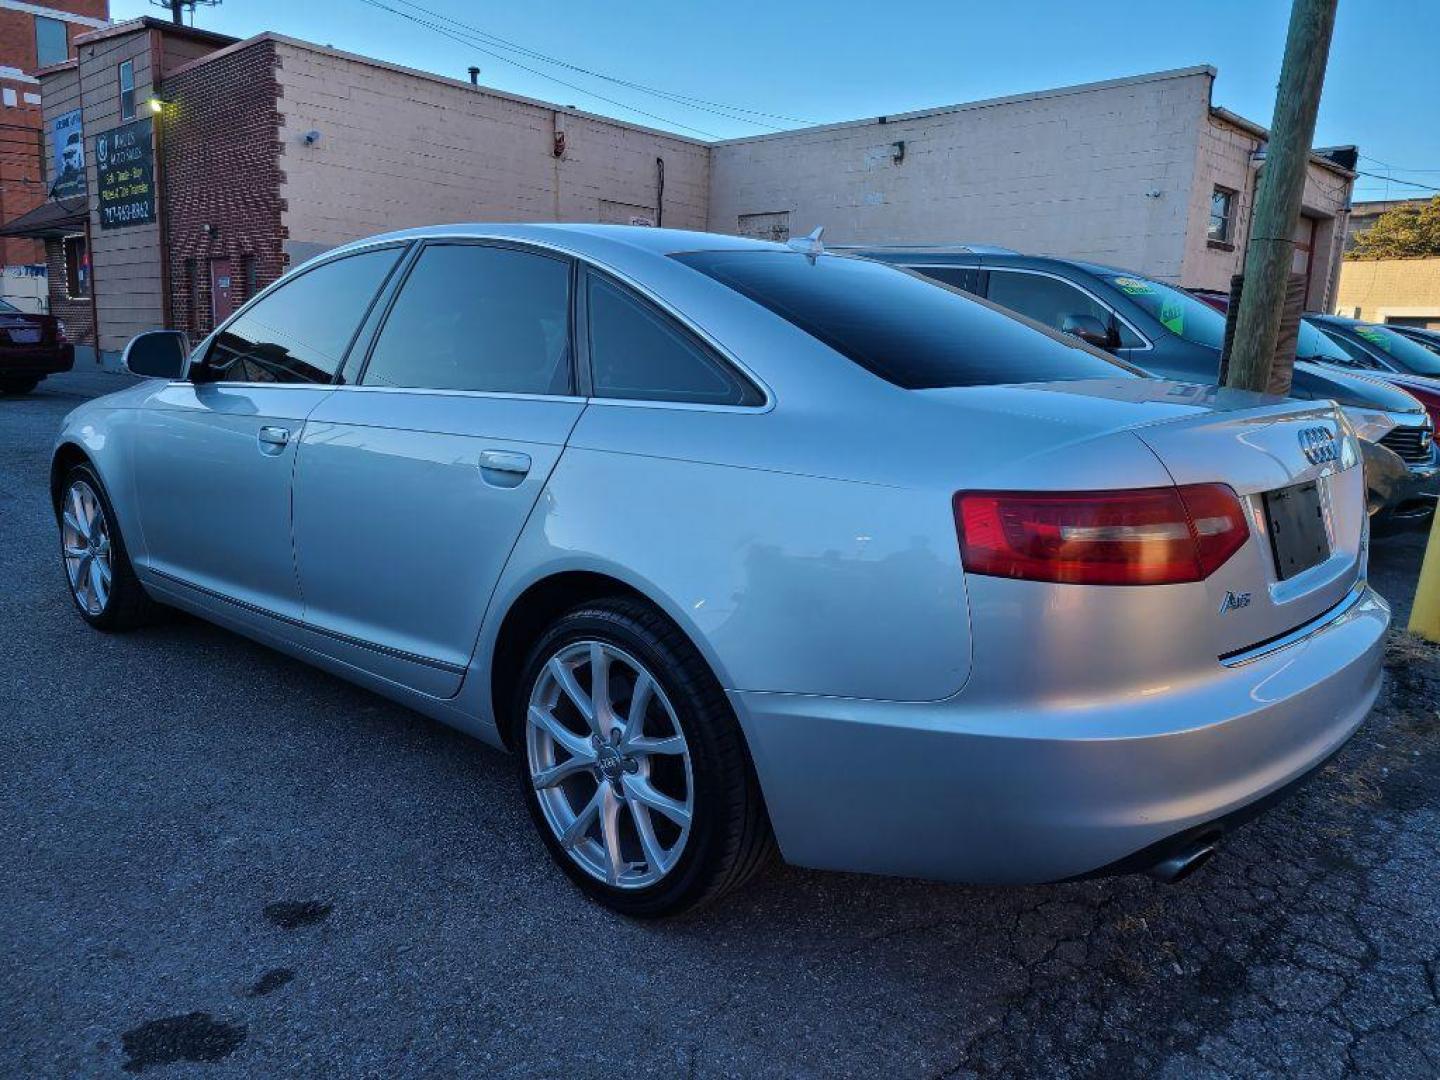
[
  {"x": 127, "y": 90},
  {"x": 77, "y": 268},
  {"x": 1222, "y": 215},
  {"x": 52, "y": 44}
]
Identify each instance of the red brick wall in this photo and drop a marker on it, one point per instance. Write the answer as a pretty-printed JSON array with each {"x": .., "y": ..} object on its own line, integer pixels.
[
  {"x": 78, "y": 315},
  {"x": 221, "y": 179},
  {"x": 22, "y": 170}
]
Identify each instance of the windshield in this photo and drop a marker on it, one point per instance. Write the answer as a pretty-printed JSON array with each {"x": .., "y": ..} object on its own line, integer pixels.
[
  {"x": 899, "y": 326},
  {"x": 1312, "y": 344},
  {"x": 1179, "y": 312},
  {"x": 8, "y": 307},
  {"x": 1411, "y": 356}
]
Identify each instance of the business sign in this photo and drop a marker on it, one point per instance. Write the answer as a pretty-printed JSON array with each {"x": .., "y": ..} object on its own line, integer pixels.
[
  {"x": 67, "y": 140},
  {"x": 125, "y": 175}
]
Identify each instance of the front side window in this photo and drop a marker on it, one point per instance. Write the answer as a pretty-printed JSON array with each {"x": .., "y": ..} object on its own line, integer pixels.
[
  {"x": 637, "y": 352},
  {"x": 127, "y": 90},
  {"x": 300, "y": 332},
  {"x": 898, "y": 326},
  {"x": 77, "y": 268},
  {"x": 1056, "y": 303},
  {"x": 52, "y": 44},
  {"x": 481, "y": 318},
  {"x": 1222, "y": 205}
]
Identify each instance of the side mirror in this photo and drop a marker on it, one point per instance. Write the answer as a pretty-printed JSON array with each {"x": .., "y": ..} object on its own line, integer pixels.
[
  {"x": 158, "y": 354},
  {"x": 1088, "y": 329}
]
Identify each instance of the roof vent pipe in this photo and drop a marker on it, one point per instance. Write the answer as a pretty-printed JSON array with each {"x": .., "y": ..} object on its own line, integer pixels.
[{"x": 474, "y": 75}]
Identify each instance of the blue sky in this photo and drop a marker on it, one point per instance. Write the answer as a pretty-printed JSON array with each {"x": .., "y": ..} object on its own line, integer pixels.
[{"x": 839, "y": 60}]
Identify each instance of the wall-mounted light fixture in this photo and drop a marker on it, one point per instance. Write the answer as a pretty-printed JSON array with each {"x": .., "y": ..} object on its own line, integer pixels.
[
  {"x": 311, "y": 137},
  {"x": 157, "y": 104}
]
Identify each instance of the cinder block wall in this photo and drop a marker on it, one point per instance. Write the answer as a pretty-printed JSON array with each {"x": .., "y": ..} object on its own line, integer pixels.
[
  {"x": 1380, "y": 289},
  {"x": 222, "y": 170},
  {"x": 1064, "y": 172},
  {"x": 399, "y": 148}
]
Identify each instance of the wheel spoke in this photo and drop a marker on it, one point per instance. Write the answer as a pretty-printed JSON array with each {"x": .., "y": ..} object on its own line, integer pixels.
[
  {"x": 610, "y": 832},
  {"x": 77, "y": 512},
  {"x": 553, "y": 775},
  {"x": 639, "y": 702},
  {"x": 671, "y": 744},
  {"x": 645, "y": 829},
  {"x": 600, "y": 710},
  {"x": 78, "y": 552},
  {"x": 575, "y": 831},
  {"x": 97, "y": 584},
  {"x": 577, "y": 746},
  {"x": 73, "y": 523},
  {"x": 565, "y": 679},
  {"x": 645, "y": 793}
]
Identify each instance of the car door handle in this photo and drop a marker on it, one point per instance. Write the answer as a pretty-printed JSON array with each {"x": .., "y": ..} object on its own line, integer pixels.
[
  {"x": 273, "y": 439},
  {"x": 505, "y": 461}
]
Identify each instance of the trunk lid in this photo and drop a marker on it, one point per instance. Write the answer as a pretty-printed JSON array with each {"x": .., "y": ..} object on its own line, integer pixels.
[{"x": 1299, "y": 473}]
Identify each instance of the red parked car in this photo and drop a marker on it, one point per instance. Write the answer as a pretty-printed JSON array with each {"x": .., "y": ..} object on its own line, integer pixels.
[{"x": 31, "y": 347}]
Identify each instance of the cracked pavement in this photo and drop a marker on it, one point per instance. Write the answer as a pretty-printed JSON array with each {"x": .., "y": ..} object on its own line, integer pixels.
[{"x": 220, "y": 862}]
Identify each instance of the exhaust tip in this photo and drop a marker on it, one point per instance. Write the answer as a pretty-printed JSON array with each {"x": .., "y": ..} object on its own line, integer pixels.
[{"x": 1179, "y": 866}]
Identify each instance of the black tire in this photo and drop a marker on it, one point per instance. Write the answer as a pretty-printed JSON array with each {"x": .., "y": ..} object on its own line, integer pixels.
[
  {"x": 128, "y": 605},
  {"x": 730, "y": 838},
  {"x": 18, "y": 386}
]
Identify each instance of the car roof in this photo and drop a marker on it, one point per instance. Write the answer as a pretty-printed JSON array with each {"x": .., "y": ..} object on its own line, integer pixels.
[{"x": 581, "y": 237}]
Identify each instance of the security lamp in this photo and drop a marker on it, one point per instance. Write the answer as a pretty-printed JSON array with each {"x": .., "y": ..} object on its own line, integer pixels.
[{"x": 157, "y": 105}]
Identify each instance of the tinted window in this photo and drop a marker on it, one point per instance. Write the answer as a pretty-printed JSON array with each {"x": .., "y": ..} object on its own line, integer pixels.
[
  {"x": 1410, "y": 355},
  {"x": 957, "y": 277},
  {"x": 471, "y": 317},
  {"x": 1179, "y": 312},
  {"x": 1051, "y": 301},
  {"x": 1312, "y": 344},
  {"x": 896, "y": 325},
  {"x": 637, "y": 352},
  {"x": 299, "y": 332}
]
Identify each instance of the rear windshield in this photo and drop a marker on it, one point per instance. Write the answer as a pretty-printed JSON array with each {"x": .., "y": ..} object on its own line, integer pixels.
[{"x": 904, "y": 329}]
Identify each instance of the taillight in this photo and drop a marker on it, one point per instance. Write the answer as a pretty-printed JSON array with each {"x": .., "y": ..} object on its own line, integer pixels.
[
  {"x": 60, "y": 332},
  {"x": 1141, "y": 536}
]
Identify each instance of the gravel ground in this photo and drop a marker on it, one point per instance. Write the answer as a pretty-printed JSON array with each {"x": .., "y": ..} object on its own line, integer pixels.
[{"x": 220, "y": 862}]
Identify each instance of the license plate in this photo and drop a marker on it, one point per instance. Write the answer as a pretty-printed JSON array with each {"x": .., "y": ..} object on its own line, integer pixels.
[
  {"x": 1297, "y": 529},
  {"x": 25, "y": 335}
]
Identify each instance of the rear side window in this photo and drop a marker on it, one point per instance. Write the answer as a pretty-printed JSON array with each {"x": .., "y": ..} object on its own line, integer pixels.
[
  {"x": 299, "y": 332},
  {"x": 897, "y": 325},
  {"x": 637, "y": 352},
  {"x": 1051, "y": 301},
  {"x": 958, "y": 277},
  {"x": 472, "y": 317}
]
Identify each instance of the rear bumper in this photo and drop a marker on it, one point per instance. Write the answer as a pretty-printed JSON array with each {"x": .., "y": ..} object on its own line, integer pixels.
[
  {"x": 27, "y": 362},
  {"x": 1040, "y": 793}
]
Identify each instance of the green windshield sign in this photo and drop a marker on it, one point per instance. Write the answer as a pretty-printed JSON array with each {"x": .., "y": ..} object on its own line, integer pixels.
[
  {"x": 1131, "y": 287},
  {"x": 1172, "y": 315}
]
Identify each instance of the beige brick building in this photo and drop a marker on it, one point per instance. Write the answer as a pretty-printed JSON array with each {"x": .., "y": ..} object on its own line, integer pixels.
[
  {"x": 269, "y": 150},
  {"x": 1125, "y": 172},
  {"x": 1403, "y": 291}
]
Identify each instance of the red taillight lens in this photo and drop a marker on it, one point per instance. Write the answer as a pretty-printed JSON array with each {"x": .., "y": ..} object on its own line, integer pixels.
[{"x": 1143, "y": 536}]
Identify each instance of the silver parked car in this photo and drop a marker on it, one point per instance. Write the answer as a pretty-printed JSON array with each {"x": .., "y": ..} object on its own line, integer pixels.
[{"x": 735, "y": 543}]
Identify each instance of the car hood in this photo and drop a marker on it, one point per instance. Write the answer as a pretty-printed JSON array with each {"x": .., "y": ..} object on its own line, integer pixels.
[{"x": 1312, "y": 380}]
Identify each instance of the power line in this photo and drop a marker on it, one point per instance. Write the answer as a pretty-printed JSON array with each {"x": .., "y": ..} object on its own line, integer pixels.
[
  {"x": 453, "y": 36},
  {"x": 669, "y": 95},
  {"x": 1394, "y": 180},
  {"x": 1396, "y": 168},
  {"x": 472, "y": 42}
]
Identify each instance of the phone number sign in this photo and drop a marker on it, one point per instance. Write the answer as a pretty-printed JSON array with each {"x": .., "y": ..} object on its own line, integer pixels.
[{"x": 125, "y": 174}]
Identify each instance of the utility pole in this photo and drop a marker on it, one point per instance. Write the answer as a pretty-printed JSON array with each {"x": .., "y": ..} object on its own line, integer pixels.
[{"x": 1271, "y": 247}]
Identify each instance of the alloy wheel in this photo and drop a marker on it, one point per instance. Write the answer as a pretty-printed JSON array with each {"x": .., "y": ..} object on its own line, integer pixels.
[
  {"x": 85, "y": 535},
  {"x": 610, "y": 764}
]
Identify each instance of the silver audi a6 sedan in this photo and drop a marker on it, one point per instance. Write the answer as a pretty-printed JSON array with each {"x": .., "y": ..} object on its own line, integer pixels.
[{"x": 736, "y": 544}]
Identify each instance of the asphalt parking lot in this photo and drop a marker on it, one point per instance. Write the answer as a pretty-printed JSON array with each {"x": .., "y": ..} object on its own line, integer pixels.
[{"x": 218, "y": 862}]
